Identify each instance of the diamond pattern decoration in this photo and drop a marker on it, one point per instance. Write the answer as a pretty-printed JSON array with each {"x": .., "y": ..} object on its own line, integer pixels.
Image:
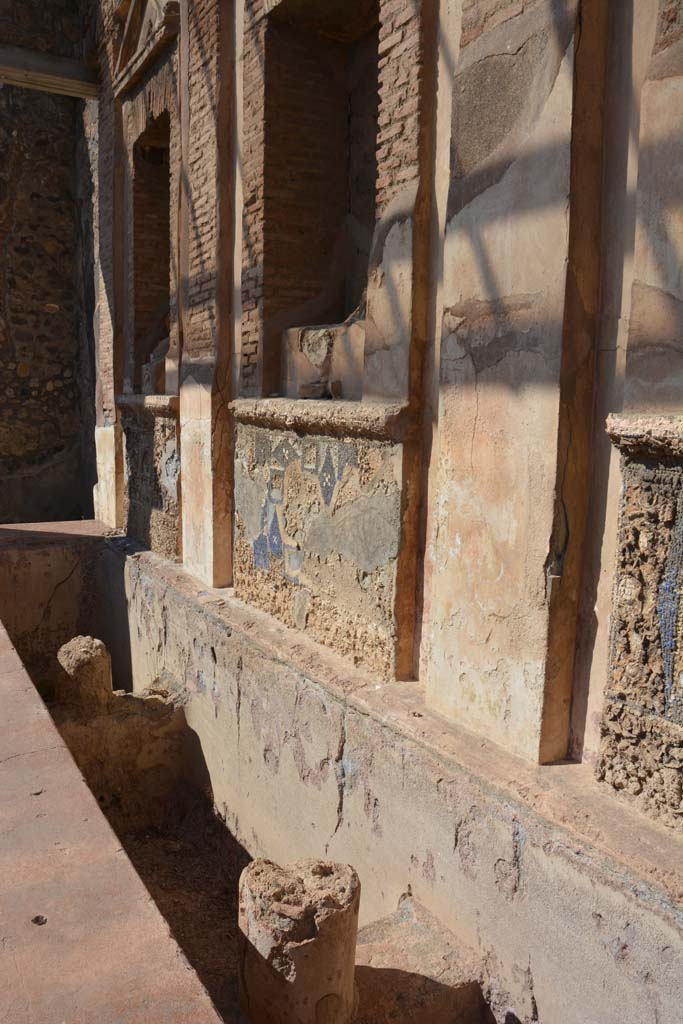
[
  {"x": 284, "y": 453},
  {"x": 261, "y": 560},
  {"x": 327, "y": 478},
  {"x": 275, "y": 537}
]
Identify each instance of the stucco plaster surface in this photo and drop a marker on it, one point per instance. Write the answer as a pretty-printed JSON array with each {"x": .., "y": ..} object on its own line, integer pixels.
[{"x": 505, "y": 263}]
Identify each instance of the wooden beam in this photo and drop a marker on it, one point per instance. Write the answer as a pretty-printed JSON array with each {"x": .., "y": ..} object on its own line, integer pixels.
[{"x": 33, "y": 70}]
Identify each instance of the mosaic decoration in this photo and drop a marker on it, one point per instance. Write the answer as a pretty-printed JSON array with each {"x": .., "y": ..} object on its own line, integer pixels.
[
  {"x": 642, "y": 726},
  {"x": 328, "y": 478},
  {"x": 275, "y": 538},
  {"x": 152, "y": 474},
  {"x": 668, "y": 603},
  {"x": 261, "y": 560},
  {"x": 317, "y": 458},
  {"x": 317, "y": 540}
]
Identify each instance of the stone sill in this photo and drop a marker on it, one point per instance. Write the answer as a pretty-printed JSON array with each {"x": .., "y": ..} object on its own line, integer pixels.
[
  {"x": 153, "y": 405},
  {"x": 638, "y": 434},
  {"x": 319, "y": 416}
]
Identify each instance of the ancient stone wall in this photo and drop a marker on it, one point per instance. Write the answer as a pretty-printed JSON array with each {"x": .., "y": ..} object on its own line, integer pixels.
[
  {"x": 317, "y": 537},
  {"x": 39, "y": 336},
  {"x": 151, "y": 247},
  {"x": 45, "y": 281}
]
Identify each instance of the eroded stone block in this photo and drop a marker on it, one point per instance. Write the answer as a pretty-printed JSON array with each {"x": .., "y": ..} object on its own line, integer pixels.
[{"x": 298, "y": 928}]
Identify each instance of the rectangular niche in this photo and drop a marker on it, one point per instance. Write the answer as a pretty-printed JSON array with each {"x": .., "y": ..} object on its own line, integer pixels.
[
  {"x": 320, "y": 166},
  {"x": 151, "y": 255}
]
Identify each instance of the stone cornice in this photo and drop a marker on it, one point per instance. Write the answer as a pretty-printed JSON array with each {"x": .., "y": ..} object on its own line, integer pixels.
[
  {"x": 643, "y": 434},
  {"x": 152, "y": 405},
  {"x": 336, "y": 418}
]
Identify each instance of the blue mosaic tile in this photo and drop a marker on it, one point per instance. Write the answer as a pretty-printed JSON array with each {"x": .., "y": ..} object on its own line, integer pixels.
[
  {"x": 264, "y": 515},
  {"x": 275, "y": 537},
  {"x": 284, "y": 453},
  {"x": 261, "y": 560},
  {"x": 327, "y": 478},
  {"x": 668, "y": 600}
]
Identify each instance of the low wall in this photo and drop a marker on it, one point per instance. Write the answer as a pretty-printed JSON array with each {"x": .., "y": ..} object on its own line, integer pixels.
[{"x": 572, "y": 899}]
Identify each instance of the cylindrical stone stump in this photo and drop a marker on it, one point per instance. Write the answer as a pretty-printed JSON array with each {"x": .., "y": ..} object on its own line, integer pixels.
[
  {"x": 298, "y": 930},
  {"x": 86, "y": 679}
]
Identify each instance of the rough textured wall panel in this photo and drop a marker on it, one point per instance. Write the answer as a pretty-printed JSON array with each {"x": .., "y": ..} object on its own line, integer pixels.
[
  {"x": 642, "y": 728},
  {"x": 317, "y": 536},
  {"x": 39, "y": 336},
  {"x": 152, "y": 476}
]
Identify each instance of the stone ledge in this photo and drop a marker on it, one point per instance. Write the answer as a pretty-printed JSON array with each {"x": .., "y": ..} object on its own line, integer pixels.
[
  {"x": 153, "y": 405},
  {"x": 318, "y": 416},
  {"x": 567, "y": 796},
  {"x": 647, "y": 435}
]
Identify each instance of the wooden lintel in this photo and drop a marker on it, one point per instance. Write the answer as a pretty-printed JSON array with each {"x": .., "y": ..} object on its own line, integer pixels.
[{"x": 34, "y": 70}]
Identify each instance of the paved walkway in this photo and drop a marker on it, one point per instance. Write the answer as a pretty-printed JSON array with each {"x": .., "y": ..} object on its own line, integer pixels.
[{"x": 80, "y": 938}]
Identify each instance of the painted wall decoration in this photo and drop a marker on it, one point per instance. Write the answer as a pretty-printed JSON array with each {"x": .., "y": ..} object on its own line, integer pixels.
[{"x": 317, "y": 536}]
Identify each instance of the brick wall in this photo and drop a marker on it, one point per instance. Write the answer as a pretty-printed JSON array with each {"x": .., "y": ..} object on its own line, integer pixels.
[
  {"x": 150, "y": 239},
  {"x": 151, "y": 248},
  {"x": 44, "y": 268},
  {"x": 305, "y": 181},
  {"x": 204, "y": 55},
  {"x": 285, "y": 99},
  {"x": 253, "y": 161}
]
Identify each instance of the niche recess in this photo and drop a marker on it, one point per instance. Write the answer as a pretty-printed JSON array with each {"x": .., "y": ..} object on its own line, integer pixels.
[
  {"x": 320, "y": 167},
  {"x": 151, "y": 256}
]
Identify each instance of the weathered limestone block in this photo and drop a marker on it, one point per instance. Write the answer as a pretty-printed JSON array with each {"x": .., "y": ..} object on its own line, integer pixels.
[
  {"x": 298, "y": 929},
  {"x": 325, "y": 361},
  {"x": 317, "y": 536},
  {"x": 87, "y": 673},
  {"x": 642, "y": 728}
]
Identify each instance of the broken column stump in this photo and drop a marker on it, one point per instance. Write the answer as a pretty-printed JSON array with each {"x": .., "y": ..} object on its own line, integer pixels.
[
  {"x": 87, "y": 673},
  {"x": 298, "y": 929}
]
